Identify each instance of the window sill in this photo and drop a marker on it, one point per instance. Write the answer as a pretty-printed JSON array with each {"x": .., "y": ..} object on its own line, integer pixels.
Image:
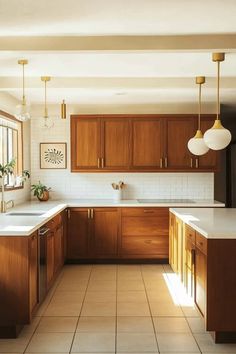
[{"x": 8, "y": 189}]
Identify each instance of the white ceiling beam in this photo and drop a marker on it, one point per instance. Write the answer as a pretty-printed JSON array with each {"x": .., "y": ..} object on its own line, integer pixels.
[{"x": 224, "y": 42}]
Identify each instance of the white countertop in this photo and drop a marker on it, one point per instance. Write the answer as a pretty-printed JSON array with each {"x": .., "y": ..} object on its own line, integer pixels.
[
  {"x": 19, "y": 225},
  {"x": 213, "y": 223}
]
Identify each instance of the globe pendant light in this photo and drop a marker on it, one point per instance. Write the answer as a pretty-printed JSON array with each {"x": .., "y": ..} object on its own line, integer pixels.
[
  {"x": 22, "y": 110},
  {"x": 47, "y": 120},
  {"x": 197, "y": 145},
  {"x": 217, "y": 138}
]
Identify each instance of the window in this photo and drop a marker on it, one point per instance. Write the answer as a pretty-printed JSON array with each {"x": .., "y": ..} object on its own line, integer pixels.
[{"x": 11, "y": 147}]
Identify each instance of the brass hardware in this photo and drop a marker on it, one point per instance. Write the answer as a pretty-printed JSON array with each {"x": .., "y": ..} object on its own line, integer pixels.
[
  {"x": 191, "y": 162},
  {"x": 63, "y": 110},
  {"x": 98, "y": 162},
  {"x": 196, "y": 163},
  {"x": 68, "y": 213},
  {"x": 148, "y": 211},
  {"x": 4, "y": 205},
  {"x": 89, "y": 213},
  {"x": 166, "y": 162},
  {"x": 161, "y": 163},
  {"x": 218, "y": 57},
  {"x": 102, "y": 162},
  {"x": 45, "y": 79}
]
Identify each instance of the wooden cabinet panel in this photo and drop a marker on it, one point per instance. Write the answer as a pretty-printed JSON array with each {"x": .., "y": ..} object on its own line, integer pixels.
[
  {"x": 178, "y": 131},
  {"x": 146, "y": 143},
  {"x": 115, "y": 143},
  {"x": 145, "y": 246},
  {"x": 58, "y": 249},
  {"x": 33, "y": 271},
  {"x": 78, "y": 233},
  {"x": 201, "y": 243},
  {"x": 200, "y": 280},
  {"x": 105, "y": 232},
  {"x": 145, "y": 226},
  {"x": 50, "y": 258},
  {"x": 210, "y": 159},
  {"x": 85, "y": 143}
]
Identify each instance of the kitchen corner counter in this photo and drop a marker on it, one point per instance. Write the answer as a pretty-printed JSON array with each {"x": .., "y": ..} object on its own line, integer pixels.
[
  {"x": 24, "y": 225},
  {"x": 213, "y": 223}
]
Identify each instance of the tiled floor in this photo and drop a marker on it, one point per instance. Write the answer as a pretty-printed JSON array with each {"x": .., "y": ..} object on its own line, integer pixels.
[{"x": 116, "y": 309}]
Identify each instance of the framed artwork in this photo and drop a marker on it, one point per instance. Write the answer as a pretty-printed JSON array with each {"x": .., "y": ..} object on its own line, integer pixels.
[{"x": 53, "y": 155}]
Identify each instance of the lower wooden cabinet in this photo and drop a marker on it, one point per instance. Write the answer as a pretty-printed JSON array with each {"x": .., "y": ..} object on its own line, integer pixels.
[
  {"x": 33, "y": 271},
  {"x": 200, "y": 270},
  {"x": 144, "y": 233},
  {"x": 50, "y": 258}
]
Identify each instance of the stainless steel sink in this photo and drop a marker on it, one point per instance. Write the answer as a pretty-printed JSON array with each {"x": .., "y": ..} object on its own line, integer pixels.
[
  {"x": 167, "y": 201},
  {"x": 25, "y": 214}
]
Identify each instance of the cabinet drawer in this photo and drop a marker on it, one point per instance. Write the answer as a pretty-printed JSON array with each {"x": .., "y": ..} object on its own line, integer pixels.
[
  {"x": 145, "y": 226},
  {"x": 55, "y": 222},
  {"x": 201, "y": 243},
  {"x": 145, "y": 212},
  {"x": 146, "y": 246},
  {"x": 190, "y": 234}
]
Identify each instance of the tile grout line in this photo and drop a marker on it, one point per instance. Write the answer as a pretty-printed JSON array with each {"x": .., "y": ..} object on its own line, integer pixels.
[
  {"x": 77, "y": 323},
  {"x": 158, "y": 349}
]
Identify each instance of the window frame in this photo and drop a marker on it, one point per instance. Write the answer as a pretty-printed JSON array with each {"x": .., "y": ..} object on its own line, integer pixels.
[{"x": 20, "y": 164}]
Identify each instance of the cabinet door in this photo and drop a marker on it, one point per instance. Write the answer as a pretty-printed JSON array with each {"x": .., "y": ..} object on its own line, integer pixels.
[
  {"x": 50, "y": 258},
  {"x": 33, "y": 271},
  {"x": 115, "y": 143},
  {"x": 200, "y": 280},
  {"x": 178, "y": 131},
  {"x": 146, "y": 143},
  {"x": 105, "y": 232},
  {"x": 85, "y": 143},
  {"x": 189, "y": 266},
  {"x": 58, "y": 248},
  {"x": 210, "y": 159},
  {"x": 78, "y": 233}
]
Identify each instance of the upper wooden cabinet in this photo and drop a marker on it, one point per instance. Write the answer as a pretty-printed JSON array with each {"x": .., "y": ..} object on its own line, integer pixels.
[{"x": 137, "y": 143}]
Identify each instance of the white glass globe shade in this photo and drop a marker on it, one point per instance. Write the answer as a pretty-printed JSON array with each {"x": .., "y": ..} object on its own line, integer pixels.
[
  {"x": 22, "y": 112},
  {"x": 197, "y": 146},
  {"x": 217, "y": 138}
]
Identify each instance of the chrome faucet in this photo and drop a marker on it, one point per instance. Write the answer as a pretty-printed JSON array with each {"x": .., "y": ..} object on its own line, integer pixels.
[{"x": 4, "y": 205}]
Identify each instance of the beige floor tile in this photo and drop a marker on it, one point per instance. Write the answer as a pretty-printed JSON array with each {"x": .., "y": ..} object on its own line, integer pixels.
[
  {"x": 171, "y": 324},
  {"x": 135, "y": 324},
  {"x": 156, "y": 296},
  {"x": 63, "y": 309},
  {"x": 165, "y": 309},
  {"x": 129, "y": 268},
  {"x": 70, "y": 285},
  {"x": 103, "y": 285},
  {"x": 177, "y": 342},
  {"x": 152, "y": 268},
  {"x": 50, "y": 342},
  {"x": 102, "y": 277},
  {"x": 207, "y": 345},
  {"x": 100, "y": 296},
  {"x": 196, "y": 324},
  {"x": 133, "y": 309},
  {"x": 99, "y": 309},
  {"x": 93, "y": 342},
  {"x": 155, "y": 285},
  {"x": 136, "y": 342},
  {"x": 29, "y": 329},
  {"x": 74, "y": 296},
  {"x": 13, "y": 345},
  {"x": 133, "y": 285},
  {"x": 131, "y": 296},
  {"x": 97, "y": 324},
  {"x": 191, "y": 311},
  {"x": 57, "y": 325}
]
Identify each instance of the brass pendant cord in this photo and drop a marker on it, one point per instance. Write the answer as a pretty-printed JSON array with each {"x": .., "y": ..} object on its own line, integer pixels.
[
  {"x": 218, "y": 91},
  {"x": 199, "y": 106},
  {"x": 45, "y": 100},
  {"x": 23, "y": 83}
]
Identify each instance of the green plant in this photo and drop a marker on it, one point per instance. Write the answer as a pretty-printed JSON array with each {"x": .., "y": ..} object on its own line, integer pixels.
[
  {"x": 25, "y": 175},
  {"x": 38, "y": 189},
  {"x": 7, "y": 169}
]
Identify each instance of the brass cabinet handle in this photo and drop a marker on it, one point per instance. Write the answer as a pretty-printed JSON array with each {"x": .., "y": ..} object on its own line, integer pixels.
[
  {"x": 196, "y": 163},
  {"x": 161, "y": 163},
  {"x": 102, "y": 162},
  {"x": 99, "y": 162},
  {"x": 148, "y": 211},
  {"x": 68, "y": 213},
  {"x": 191, "y": 162},
  {"x": 166, "y": 162},
  {"x": 89, "y": 213}
]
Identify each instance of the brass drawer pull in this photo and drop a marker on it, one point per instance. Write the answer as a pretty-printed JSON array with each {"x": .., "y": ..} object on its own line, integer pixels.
[
  {"x": 148, "y": 211},
  {"x": 88, "y": 213},
  {"x": 91, "y": 213},
  {"x": 99, "y": 162},
  {"x": 166, "y": 162},
  {"x": 191, "y": 162},
  {"x": 102, "y": 162},
  {"x": 196, "y": 163},
  {"x": 161, "y": 162}
]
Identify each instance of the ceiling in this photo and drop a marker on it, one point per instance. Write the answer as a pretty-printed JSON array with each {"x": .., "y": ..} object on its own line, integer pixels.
[{"x": 140, "y": 51}]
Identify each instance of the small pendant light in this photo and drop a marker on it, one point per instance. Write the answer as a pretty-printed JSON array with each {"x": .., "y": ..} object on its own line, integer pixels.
[
  {"x": 217, "y": 138},
  {"x": 47, "y": 120},
  {"x": 197, "y": 145},
  {"x": 63, "y": 110},
  {"x": 22, "y": 109}
]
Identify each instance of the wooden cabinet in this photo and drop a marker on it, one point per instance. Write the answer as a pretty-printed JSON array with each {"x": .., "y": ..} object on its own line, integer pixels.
[
  {"x": 176, "y": 242},
  {"x": 58, "y": 248},
  {"x": 50, "y": 258},
  {"x": 147, "y": 144},
  {"x": 189, "y": 280},
  {"x": 33, "y": 271},
  {"x": 137, "y": 143},
  {"x": 200, "y": 271},
  {"x": 92, "y": 233},
  {"x": 144, "y": 233}
]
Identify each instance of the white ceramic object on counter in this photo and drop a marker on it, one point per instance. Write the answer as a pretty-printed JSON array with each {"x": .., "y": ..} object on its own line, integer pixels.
[{"x": 117, "y": 195}]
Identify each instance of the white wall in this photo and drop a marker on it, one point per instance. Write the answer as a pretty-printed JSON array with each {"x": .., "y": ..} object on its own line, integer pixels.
[
  {"x": 8, "y": 104},
  {"x": 97, "y": 185}
]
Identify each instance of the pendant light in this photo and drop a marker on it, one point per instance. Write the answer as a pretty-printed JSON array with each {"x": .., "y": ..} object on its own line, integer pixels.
[
  {"x": 217, "y": 138},
  {"x": 22, "y": 109},
  {"x": 47, "y": 120},
  {"x": 63, "y": 110},
  {"x": 197, "y": 145}
]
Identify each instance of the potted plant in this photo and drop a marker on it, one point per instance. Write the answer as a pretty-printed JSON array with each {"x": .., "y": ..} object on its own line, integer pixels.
[{"x": 41, "y": 191}]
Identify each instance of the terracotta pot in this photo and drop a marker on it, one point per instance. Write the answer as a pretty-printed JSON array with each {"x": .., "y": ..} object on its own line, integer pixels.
[{"x": 44, "y": 196}]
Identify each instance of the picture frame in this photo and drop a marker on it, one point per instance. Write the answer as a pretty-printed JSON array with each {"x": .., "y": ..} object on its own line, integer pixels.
[{"x": 53, "y": 155}]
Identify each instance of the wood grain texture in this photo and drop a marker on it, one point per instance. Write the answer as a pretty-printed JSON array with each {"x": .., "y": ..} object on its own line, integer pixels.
[{"x": 33, "y": 271}]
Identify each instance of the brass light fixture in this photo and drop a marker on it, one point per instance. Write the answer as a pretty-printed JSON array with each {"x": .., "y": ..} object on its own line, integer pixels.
[
  {"x": 47, "y": 120},
  {"x": 217, "y": 138},
  {"x": 22, "y": 110},
  {"x": 63, "y": 110},
  {"x": 197, "y": 145}
]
